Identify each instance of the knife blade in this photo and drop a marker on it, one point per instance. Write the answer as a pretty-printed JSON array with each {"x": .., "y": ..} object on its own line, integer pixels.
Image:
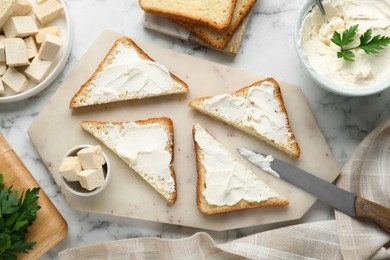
[{"x": 329, "y": 193}]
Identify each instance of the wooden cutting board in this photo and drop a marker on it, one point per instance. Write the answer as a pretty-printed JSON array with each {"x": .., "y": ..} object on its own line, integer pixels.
[
  {"x": 49, "y": 228},
  {"x": 56, "y": 129}
]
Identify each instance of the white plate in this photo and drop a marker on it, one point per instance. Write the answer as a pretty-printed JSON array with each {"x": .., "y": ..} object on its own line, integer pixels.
[{"x": 63, "y": 24}]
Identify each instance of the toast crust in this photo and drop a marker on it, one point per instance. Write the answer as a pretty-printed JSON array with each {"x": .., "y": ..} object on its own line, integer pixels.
[
  {"x": 292, "y": 149},
  {"x": 182, "y": 15},
  {"x": 215, "y": 38},
  {"x": 78, "y": 101},
  {"x": 209, "y": 209},
  {"x": 168, "y": 127}
]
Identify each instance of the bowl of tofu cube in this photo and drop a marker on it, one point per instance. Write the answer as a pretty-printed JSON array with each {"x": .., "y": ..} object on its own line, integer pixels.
[
  {"x": 35, "y": 43},
  {"x": 85, "y": 170}
]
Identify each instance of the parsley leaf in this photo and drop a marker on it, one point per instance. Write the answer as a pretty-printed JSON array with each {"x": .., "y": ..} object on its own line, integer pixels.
[
  {"x": 346, "y": 38},
  {"x": 347, "y": 55},
  {"x": 367, "y": 43},
  {"x": 376, "y": 44},
  {"x": 16, "y": 215}
]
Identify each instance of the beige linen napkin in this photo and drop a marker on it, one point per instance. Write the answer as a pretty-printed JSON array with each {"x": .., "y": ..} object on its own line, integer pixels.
[{"x": 367, "y": 174}]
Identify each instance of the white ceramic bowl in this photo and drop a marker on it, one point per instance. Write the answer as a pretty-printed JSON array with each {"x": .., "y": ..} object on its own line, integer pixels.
[
  {"x": 321, "y": 80},
  {"x": 74, "y": 187},
  {"x": 64, "y": 24}
]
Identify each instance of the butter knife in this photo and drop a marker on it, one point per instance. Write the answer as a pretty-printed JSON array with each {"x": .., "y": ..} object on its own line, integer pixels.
[{"x": 345, "y": 201}]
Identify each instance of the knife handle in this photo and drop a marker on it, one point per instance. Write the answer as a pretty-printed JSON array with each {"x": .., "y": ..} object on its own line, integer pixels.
[{"x": 373, "y": 211}]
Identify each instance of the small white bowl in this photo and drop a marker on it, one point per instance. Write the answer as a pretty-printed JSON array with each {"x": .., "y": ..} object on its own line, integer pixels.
[
  {"x": 74, "y": 187},
  {"x": 321, "y": 80}
]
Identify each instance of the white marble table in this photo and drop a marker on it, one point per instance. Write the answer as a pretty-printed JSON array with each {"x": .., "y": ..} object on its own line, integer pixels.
[{"x": 267, "y": 49}]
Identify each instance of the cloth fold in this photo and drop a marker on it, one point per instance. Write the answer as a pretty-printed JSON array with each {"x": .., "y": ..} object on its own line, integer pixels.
[{"x": 367, "y": 174}]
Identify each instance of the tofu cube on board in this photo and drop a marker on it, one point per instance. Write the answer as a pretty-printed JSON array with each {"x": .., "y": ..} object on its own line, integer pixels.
[
  {"x": 91, "y": 157},
  {"x": 20, "y": 26},
  {"x": 50, "y": 47},
  {"x": 91, "y": 178},
  {"x": 15, "y": 52},
  {"x": 15, "y": 80},
  {"x": 48, "y": 11},
  {"x": 70, "y": 167},
  {"x": 38, "y": 69}
]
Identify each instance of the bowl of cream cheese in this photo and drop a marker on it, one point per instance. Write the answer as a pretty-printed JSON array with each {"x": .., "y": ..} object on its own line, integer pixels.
[{"x": 368, "y": 73}]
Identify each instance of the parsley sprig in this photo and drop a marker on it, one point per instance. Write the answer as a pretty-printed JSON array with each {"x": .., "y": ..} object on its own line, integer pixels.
[
  {"x": 370, "y": 44},
  {"x": 16, "y": 215}
]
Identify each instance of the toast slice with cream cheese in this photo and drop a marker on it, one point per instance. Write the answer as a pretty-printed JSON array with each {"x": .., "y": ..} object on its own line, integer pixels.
[
  {"x": 145, "y": 145},
  {"x": 258, "y": 110},
  {"x": 225, "y": 184},
  {"x": 127, "y": 73}
]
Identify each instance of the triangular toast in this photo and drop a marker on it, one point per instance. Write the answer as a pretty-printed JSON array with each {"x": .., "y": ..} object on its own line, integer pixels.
[
  {"x": 225, "y": 184},
  {"x": 127, "y": 73},
  {"x": 258, "y": 110},
  {"x": 145, "y": 145}
]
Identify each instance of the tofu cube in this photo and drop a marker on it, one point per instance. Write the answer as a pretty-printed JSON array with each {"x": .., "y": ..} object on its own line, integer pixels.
[
  {"x": 38, "y": 70},
  {"x": 91, "y": 179},
  {"x": 6, "y": 10},
  {"x": 50, "y": 47},
  {"x": 2, "y": 49},
  {"x": 2, "y": 91},
  {"x": 91, "y": 157},
  {"x": 15, "y": 80},
  {"x": 70, "y": 167},
  {"x": 15, "y": 52},
  {"x": 3, "y": 69},
  {"x": 48, "y": 11},
  {"x": 41, "y": 35},
  {"x": 22, "y": 8},
  {"x": 20, "y": 26},
  {"x": 31, "y": 47}
]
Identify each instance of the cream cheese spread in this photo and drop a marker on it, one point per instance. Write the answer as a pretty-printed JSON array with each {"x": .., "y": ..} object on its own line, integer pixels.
[
  {"x": 227, "y": 180},
  {"x": 259, "y": 111},
  {"x": 143, "y": 147},
  {"x": 321, "y": 53},
  {"x": 129, "y": 76},
  {"x": 264, "y": 162}
]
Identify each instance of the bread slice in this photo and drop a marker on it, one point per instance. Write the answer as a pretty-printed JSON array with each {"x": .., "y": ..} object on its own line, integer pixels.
[
  {"x": 224, "y": 184},
  {"x": 145, "y": 145},
  {"x": 258, "y": 110},
  {"x": 214, "y": 14},
  {"x": 219, "y": 39},
  {"x": 126, "y": 73}
]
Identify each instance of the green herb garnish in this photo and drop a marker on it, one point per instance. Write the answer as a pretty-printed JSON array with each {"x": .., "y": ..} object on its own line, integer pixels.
[
  {"x": 370, "y": 44},
  {"x": 16, "y": 215}
]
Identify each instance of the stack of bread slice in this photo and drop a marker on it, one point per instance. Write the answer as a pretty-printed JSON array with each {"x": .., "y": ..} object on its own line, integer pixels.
[{"x": 212, "y": 21}]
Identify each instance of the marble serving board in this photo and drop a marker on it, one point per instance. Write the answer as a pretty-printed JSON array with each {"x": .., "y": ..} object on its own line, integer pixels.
[{"x": 56, "y": 129}]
